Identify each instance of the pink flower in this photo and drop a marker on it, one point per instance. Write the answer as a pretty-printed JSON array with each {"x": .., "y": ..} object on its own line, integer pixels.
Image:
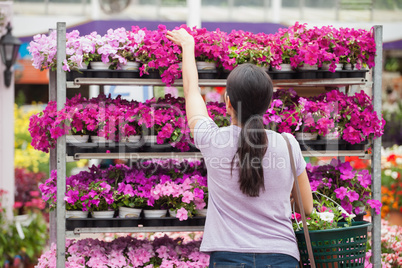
[
  {"x": 188, "y": 197},
  {"x": 182, "y": 214}
]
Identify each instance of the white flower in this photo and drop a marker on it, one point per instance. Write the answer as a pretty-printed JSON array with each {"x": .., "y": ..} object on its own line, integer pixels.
[
  {"x": 388, "y": 172},
  {"x": 399, "y": 161},
  {"x": 326, "y": 216},
  {"x": 394, "y": 175}
]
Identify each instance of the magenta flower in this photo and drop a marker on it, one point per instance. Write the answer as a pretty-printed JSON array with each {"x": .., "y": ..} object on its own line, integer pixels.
[
  {"x": 341, "y": 192},
  {"x": 376, "y": 205}
]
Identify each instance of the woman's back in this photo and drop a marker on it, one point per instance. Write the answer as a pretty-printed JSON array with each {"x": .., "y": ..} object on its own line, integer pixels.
[{"x": 237, "y": 222}]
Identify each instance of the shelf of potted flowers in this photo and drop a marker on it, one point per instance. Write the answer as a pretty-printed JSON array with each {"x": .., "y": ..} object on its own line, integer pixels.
[
  {"x": 150, "y": 185},
  {"x": 56, "y": 131},
  {"x": 150, "y": 50},
  {"x": 351, "y": 118}
]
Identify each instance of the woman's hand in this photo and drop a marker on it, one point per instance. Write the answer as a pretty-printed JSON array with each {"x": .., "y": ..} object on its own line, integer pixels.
[
  {"x": 195, "y": 105},
  {"x": 180, "y": 37}
]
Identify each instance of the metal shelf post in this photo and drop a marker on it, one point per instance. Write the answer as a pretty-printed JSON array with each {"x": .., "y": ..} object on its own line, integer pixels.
[
  {"x": 376, "y": 156},
  {"x": 61, "y": 149}
]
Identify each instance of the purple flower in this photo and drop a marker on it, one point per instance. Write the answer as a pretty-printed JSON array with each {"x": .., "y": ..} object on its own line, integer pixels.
[
  {"x": 364, "y": 178},
  {"x": 353, "y": 196},
  {"x": 376, "y": 205},
  {"x": 341, "y": 192}
]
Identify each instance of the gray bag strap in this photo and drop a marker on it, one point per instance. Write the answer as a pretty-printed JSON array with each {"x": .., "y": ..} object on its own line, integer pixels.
[{"x": 297, "y": 194}]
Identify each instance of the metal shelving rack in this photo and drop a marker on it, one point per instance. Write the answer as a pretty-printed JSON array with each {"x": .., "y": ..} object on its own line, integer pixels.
[{"x": 57, "y": 91}]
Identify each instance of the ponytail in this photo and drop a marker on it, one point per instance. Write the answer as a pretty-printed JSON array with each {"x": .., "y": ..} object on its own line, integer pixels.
[
  {"x": 252, "y": 146},
  {"x": 250, "y": 91}
]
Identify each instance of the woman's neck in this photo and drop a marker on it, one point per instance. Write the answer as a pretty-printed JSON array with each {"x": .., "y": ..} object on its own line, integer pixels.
[{"x": 234, "y": 121}]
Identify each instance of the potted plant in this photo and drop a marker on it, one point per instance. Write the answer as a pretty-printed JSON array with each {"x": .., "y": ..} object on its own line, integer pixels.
[
  {"x": 131, "y": 196},
  {"x": 43, "y": 49},
  {"x": 102, "y": 197},
  {"x": 210, "y": 47},
  {"x": 332, "y": 234},
  {"x": 128, "y": 49},
  {"x": 246, "y": 47},
  {"x": 286, "y": 45},
  {"x": 315, "y": 118},
  {"x": 349, "y": 188},
  {"x": 160, "y": 56},
  {"x": 131, "y": 129}
]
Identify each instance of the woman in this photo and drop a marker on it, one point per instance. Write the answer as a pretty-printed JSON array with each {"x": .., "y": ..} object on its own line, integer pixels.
[{"x": 249, "y": 175}]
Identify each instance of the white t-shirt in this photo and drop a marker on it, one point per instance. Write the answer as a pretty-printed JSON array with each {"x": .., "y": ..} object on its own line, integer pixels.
[{"x": 239, "y": 223}]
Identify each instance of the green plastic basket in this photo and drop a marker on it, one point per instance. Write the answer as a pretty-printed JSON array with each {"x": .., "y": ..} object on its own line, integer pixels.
[{"x": 332, "y": 248}]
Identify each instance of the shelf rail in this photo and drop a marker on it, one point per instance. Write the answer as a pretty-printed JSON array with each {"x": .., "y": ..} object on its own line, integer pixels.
[
  {"x": 139, "y": 229},
  {"x": 185, "y": 155},
  {"x": 338, "y": 82}
]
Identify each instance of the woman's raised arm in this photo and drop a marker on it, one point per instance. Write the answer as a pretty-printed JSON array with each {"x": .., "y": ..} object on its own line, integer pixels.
[{"x": 195, "y": 105}]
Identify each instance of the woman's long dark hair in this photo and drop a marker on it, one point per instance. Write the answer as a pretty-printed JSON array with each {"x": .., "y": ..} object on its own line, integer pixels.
[{"x": 250, "y": 92}]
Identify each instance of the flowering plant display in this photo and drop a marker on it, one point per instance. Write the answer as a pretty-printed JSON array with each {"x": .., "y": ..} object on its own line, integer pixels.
[
  {"x": 129, "y": 252},
  {"x": 285, "y": 45},
  {"x": 117, "y": 47},
  {"x": 325, "y": 215},
  {"x": 391, "y": 246},
  {"x": 391, "y": 181},
  {"x": 217, "y": 112},
  {"x": 296, "y": 45},
  {"x": 43, "y": 49},
  {"x": 246, "y": 47},
  {"x": 25, "y": 155},
  {"x": 14, "y": 248},
  {"x": 352, "y": 117},
  {"x": 184, "y": 195},
  {"x": 210, "y": 46},
  {"x": 116, "y": 119},
  {"x": 27, "y": 196},
  {"x": 283, "y": 115},
  {"x": 150, "y": 184},
  {"x": 159, "y": 53},
  {"x": 349, "y": 188},
  {"x": 359, "y": 45},
  {"x": 316, "y": 116},
  {"x": 166, "y": 118}
]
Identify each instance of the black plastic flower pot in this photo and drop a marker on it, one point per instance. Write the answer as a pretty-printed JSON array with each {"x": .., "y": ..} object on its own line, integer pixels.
[
  {"x": 178, "y": 222},
  {"x": 356, "y": 146},
  {"x": 223, "y": 74},
  {"x": 357, "y": 73},
  {"x": 103, "y": 223},
  {"x": 334, "y": 75},
  {"x": 198, "y": 221},
  {"x": 320, "y": 74},
  {"x": 129, "y": 222},
  {"x": 152, "y": 74},
  {"x": 207, "y": 74},
  {"x": 128, "y": 74},
  {"x": 306, "y": 75},
  {"x": 102, "y": 74},
  {"x": 283, "y": 75},
  {"x": 155, "y": 222},
  {"x": 72, "y": 223}
]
